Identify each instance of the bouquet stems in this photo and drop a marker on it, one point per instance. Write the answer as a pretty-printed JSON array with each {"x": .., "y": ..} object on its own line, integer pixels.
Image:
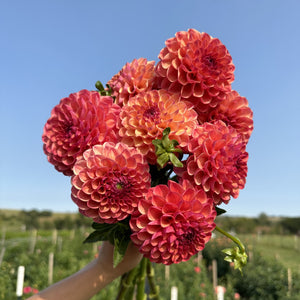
[
  {"x": 134, "y": 281},
  {"x": 154, "y": 289},
  {"x": 141, "y": 280},
  {"x": 127, "y": 285}
]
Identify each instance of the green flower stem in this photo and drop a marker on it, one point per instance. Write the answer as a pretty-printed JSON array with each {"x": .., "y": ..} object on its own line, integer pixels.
[
  {"x": 127, "y": 285},
  {"x": 233, "y": 238},
  {"x": 141, "y": 280},
  {"x": 154, "y": 289}
]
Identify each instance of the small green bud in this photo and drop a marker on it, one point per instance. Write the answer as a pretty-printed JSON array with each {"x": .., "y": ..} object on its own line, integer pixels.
[
  {"x": 99, "y": 86},
  {"x": 165, "y": 149},
  {"x": 237, "y": 256}
]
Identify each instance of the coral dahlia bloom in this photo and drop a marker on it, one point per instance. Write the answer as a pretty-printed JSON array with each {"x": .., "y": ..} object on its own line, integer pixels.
[
  {"x": 218, "y": 161},
  {"x": 234, "y": 111},
  {"x": 78, "y": 122},
  {"x": 146, "y": 116},
  {"x": 134, "y": 78},
  {"x": 109, "y": 181},
  {"x": 197, "y": 67},
  {"x": 172, "y": 222}
]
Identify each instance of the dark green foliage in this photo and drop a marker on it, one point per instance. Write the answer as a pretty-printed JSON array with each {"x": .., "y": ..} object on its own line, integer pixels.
[
  {"x": 265, "y": 279},
  {"x": 64, "y": 223},
  {"x": 237, "y": 224},
  {"x": 213, "y": 251},
  {"x": 241, "y": 225},
  {"x": 183, "y": 275},
  {"x": 118, "y": 234},
  {"x": 291, "y": 225},
  {"x": 262, "y": 278}
]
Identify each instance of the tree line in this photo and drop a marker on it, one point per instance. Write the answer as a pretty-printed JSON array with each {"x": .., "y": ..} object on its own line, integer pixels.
[{"x": 34, "y": 219}]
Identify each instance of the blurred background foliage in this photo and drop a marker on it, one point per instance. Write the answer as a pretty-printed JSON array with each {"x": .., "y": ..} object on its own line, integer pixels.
[{"x": 273, "y": 247}]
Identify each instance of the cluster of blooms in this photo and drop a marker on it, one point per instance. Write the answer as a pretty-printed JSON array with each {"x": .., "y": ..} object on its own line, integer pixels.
[{"x": 105, "y": 143}]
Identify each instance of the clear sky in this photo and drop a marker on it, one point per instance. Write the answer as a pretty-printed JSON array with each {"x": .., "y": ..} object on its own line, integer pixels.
[{"x": 49, "y": 49}]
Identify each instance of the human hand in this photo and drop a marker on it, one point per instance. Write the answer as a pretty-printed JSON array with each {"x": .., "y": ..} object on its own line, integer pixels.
[{"x": 130, "y": 260}]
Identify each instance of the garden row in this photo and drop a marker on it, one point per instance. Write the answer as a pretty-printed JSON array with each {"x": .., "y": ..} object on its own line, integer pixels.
[{"x": 263, "y": 278}]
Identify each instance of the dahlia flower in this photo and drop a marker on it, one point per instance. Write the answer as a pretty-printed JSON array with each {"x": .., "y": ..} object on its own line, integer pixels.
[
  {"x": 146, "y": 116},
  {"x": 134, "y": 78},
  {"x": 109, "y": 181},
  {"x": 172, "y": 222},
  {"x": 233, "y": 111},
  {"x": 197, "y": 67},
  {"x": 217, "y": 162},
  {"x": 78, "y": 122}
]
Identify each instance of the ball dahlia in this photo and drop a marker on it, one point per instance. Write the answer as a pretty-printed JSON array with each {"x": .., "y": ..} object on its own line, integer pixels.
[
  {"x": 172, "y": 222},
  {"x": 146, "y": 116},
  {"x": 109, "y": 181},
  {"x": 78, "y": 122},
  {"x": 134, "y": 78},
  {"x": 217, "y": 162},
  {"x": 234, "y": 111},
  {"x": 197, "y": 67}
]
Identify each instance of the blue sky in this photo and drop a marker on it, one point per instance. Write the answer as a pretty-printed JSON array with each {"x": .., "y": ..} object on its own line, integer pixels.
[{"x": 50, "y": 49}]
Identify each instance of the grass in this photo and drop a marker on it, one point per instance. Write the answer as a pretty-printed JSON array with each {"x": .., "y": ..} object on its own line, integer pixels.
[{"x": 284, "y": 248}]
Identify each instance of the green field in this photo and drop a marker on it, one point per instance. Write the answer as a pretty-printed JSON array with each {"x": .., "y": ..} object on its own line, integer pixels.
[
  {"x": 265, "y": 277},
  {"x": 284, "y": 248}
]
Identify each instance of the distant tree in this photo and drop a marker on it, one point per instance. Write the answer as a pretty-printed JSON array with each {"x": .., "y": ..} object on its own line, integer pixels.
[
  {"x": 64, "y": 223},
  {"x": 237, "y": 224},
  {"x": 30, "y": 218},
  {"x": 291, "y": 225},
  {"x": 82, "y": 221},
  {"x": 45, "y": 213},
  {"x": 263, "y": 220},
  {"x": 47, "y": 225}
]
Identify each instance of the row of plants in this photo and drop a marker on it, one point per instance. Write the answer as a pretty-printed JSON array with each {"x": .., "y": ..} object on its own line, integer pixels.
[{"x": 263, "y": 278}]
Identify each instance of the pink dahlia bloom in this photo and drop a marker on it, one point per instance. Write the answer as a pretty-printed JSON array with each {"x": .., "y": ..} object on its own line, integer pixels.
[
  {"x": 146, "y": 116},
  {"x": 77, "y": 123},
  {"x": 27, "y": 289},
  {"x": 233, "y": 111},
  {"x": 217, "y": 162},
  {"x": 109, "y": 181},
  {"x": 172, "y": 222},
  {"x": 197, "y": 67},
  {"x": 134, "y": 78}
]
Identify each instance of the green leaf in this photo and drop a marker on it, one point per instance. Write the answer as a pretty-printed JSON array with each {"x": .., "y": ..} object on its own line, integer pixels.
[
  {"x": 166, "y": 143},
  {"x": 175, "y": 143},
  {"x": 99, "y": 86},
  {"x": 160, "y": 150},
  {"x": 107, "y": 232},
  {"x": 102, "y": 226},
  {"x": 220, "y": 211},
  {"x": 175, "y": 161},
  {"x": 156, "y": 142},
  {"x": 120, "y": 247},
  {"x": 166, "y": 131},
  {"x": 237, "y": 256},
  {"x": 95, "y": 236},
  {"x": 163, "y": 159}
]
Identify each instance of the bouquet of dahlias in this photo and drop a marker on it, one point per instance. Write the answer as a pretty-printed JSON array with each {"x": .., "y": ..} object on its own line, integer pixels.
[{"x": 153, "y": 154}]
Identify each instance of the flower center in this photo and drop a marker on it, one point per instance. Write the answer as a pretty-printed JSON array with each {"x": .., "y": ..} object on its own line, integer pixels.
[
  {"x": 210, "y": 62},
  {"x": 119, "y": 185},
  {"x": 151, "y": 114},
  {"x": 68, "y": 129},
  {"x": 188, "y": 237}
]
